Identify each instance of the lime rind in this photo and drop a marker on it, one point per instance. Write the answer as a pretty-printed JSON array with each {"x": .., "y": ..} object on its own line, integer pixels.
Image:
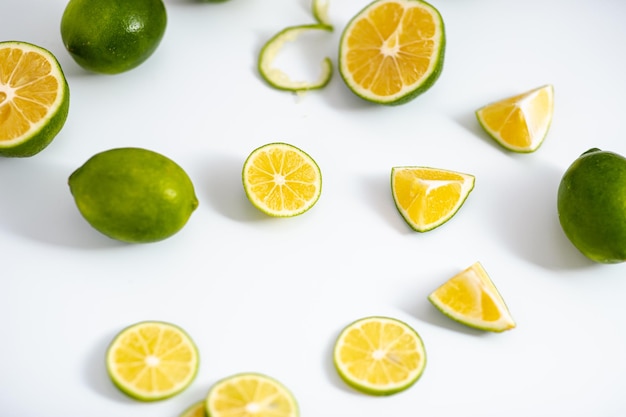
[
  {"x": 409, "y": 92},
  {"x": 538, "y": 136},
  {"x": 372, "y": 389},
  {"x": 279, "y": 79},
  {"x": 468, "y": 187},
  {"x": 279, "y": 388},
  {"x": 320, "y": 11},
  {"x": 45, "y": 130},
  {"x": 483, "y": 283},
  {"x": 141, "y": 395}
]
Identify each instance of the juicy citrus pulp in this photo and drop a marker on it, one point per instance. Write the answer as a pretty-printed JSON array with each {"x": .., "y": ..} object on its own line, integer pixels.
[
  {"x": 519, "y": 123},
  {"x": 392, "y": 50},
  {"x": 133, "y": 194},
  {"x": 276, "y": 77},
  {"x": 281, "y": 180},
  {"x": 471, "y": 298},
  {"x": 112, "y": 36},
  {"x": 195, "y": 410},
  {"x": 428, "y": 197},
  {"x": 152, "y": 360},
  {"x": 34, "y": 98},
  {"x": 591, "y": 205},
  {"x": 250, "y": 394},
  {"x": 379, "y": 355}
]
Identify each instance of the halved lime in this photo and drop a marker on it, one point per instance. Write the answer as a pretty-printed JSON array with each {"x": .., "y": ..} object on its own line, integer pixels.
[
  {"x": 250, "y": 394},
  {"x": 379, "y": 355},
  {"x": 34, "y": 99},
  {"x": 281, "y": 180},
  {"x": 152, "y": 360},
  {"x": 392, "y": 50}
]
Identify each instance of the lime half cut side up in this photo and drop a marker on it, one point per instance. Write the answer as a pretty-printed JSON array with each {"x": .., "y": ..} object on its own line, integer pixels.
[
  {"x": 250, "y": 394},
  {"x": 152, "y": 360},
  {"x": 34, "y": 99},
  {"x": 379, "y": 355},
  {"x": 278, "y": 78},
  {"x": 281, "y": 180},
  {"x": 392, "y": 51}
]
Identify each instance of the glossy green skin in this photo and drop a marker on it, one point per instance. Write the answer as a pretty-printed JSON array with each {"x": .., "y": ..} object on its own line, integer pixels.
[
  {"x": 592, "y": 205},
  {"x": 133, "y": 195},
  {"x": 112, "y": 36}
]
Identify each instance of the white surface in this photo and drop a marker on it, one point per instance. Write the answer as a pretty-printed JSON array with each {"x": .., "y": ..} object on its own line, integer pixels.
[{"x": 270, "y": 295}]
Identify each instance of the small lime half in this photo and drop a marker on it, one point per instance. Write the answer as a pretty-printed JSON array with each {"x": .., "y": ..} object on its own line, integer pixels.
[
  {"x": 152, "y": 360},
  {"x": 379, "y": 355},
  {"x": 34, "y": 99},
  {"x": 250, "y": 394}
]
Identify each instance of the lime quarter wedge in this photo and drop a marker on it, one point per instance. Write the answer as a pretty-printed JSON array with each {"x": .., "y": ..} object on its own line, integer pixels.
[{"x": 471, "y": 298}]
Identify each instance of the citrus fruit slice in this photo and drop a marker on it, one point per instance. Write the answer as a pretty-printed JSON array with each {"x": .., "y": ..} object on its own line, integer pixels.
[
  {"x": 152, "y": 360},
  {"x": 591, "y": 204},
  {"x": 112, "y": 36},
  {"x": 281, "y": 180},
  {"x": 250, "y": 394},
  {"x": 34, "y": 99},
  {"x": 519, "y": 123},
  {"x": 379, "y": 355},
  {"x": 195, "y": 410},
  {"x": 392, "y": 50},
  {"x": 428, "y": 197},
  {"x": 471, "y": 298},
  {"x": 133, "y": 195},
  {"x": 279, "y": 79}
]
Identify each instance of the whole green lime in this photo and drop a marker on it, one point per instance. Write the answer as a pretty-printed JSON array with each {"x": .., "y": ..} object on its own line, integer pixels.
[
  {"x": 134, "y": 195},
  {"x": 112, "y": 36},
  {"x": 592, "y": 205}
]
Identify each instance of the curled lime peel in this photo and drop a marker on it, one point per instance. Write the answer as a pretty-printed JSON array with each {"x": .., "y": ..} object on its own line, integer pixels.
[
  {"x": 320, "y": 11},
  {"x": 279, "y": 79}
]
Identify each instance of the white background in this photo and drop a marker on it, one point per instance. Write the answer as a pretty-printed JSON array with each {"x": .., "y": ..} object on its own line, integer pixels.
[{"x": 270, "y": 295}]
